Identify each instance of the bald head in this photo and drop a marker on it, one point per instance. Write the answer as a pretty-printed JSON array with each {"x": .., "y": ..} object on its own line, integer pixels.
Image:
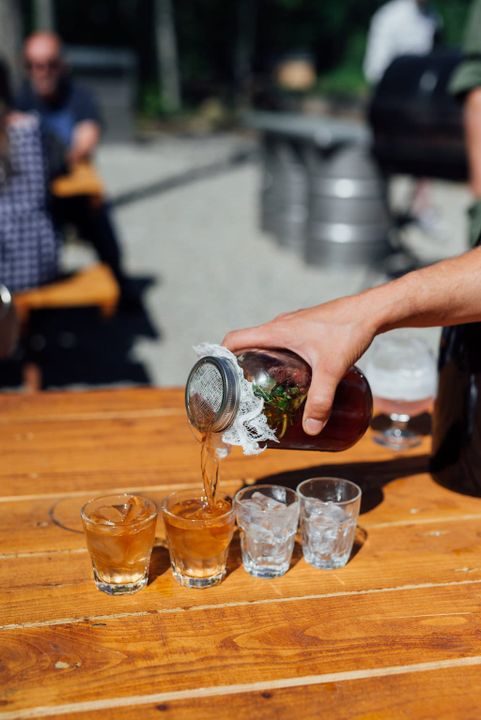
[{"x": 44, "y": 62}]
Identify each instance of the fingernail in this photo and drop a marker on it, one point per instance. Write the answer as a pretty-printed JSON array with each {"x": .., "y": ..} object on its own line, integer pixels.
[{"x": 313, "y": 427}]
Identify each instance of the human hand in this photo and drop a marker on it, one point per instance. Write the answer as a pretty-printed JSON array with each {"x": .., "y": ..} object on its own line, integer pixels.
[{"x": 329, "y": 337}]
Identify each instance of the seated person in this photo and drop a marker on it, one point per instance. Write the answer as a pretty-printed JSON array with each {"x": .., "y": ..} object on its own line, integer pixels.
[
  {"x": 70, "y": 114},
  {"x": 29, "y": 243}
]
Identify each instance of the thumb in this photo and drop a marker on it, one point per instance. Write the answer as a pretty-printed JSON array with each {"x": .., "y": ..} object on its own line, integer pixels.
[{"x": 319, "y": 401}]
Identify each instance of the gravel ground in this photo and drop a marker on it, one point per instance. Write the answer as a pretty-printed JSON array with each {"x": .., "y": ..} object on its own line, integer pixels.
[{"x": 210, "y": 267}]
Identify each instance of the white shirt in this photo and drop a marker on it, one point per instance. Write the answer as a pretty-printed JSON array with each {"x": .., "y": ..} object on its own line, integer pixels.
[{"x": 400, "y": 27}]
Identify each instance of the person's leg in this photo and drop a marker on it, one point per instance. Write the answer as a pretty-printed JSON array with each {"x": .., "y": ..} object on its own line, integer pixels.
[{"x": 93, "y": 224}]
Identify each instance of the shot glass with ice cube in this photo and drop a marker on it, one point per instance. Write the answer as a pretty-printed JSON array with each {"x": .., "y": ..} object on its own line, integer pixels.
[
  {"x": 267, "y": 516},
  {"x": 329, "y": 508},
  {"x": 120, "y": 533}
]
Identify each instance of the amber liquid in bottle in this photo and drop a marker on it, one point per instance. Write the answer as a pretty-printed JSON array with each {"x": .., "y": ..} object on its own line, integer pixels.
[{"x": 283, "y": 379}]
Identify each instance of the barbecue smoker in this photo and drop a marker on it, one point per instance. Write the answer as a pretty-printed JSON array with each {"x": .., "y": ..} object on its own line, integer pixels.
[{"x": 416, "y": 123}]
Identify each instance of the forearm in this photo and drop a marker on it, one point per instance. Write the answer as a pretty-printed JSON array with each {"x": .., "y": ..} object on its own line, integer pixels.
[
  {"x": 85, "y": 140},
  {"x": 334, "y": 335},
  {"x": 472, "y": 129},
  {"x": 447, "y": 293}
]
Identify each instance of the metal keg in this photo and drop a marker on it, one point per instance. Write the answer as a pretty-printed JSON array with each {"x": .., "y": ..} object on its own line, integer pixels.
[
  {"x": 284, "y": 189},
  {"x": 349, "y": 219}
]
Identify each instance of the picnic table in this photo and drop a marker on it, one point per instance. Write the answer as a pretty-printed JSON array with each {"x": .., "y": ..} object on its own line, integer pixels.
[{"x": 394, "y": 634}]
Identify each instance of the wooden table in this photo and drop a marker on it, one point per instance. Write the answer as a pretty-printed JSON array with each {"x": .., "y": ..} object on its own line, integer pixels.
[{"x": 395, "y": 634}]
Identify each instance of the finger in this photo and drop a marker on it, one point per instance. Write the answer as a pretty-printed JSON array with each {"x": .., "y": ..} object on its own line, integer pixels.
[
  {"x": 262, "y": 336},
  {"x": 319, "y": 401}
]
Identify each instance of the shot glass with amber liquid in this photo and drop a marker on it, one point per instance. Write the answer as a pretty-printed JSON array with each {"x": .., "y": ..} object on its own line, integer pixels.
[
  {"x": 120, "y": 533},
  {"x": 198, "y": 536}
]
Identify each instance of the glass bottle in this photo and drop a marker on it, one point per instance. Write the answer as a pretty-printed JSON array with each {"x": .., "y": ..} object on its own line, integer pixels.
[
  {"x": 456, "y": 453},
  {"x": 282, "y": 379}
]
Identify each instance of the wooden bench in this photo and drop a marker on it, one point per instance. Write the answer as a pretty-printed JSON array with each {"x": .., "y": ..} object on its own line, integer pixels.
[{"x": 95, "y": 286}]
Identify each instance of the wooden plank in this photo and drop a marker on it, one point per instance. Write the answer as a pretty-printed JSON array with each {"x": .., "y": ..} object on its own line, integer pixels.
[
  {"x": 403, "y": 615},
  {"x": 44, "y": 522},
  {"x": 227, "y": 646},
  {"x": 42, "y": 525},
  {"x": 60, "y": 456},
  {"x": 63, "y": 457},
  {"x": 448, "y": 693},
  {"x": 16, "y": 406},
  {"x": 57, "y": 587}
]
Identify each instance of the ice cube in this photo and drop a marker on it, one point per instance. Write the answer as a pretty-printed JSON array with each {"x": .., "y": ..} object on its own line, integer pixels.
[
  {"x": 135, "y": 508},
  {"x": 270, "y": 519},
  {"x": 261, "y": 533},
  {"x": 110, "y": 513},
  {"x": 334, "y": 512},
  {"x": 264, "y": 502},
  {"x": 279, "y": 494},
  {"x": 314, "y": 507},
  {"x": 328, "y": 532}
]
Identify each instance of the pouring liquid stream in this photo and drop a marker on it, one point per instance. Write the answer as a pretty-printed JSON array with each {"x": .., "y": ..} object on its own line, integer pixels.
[{"x": 209, "y": 465}]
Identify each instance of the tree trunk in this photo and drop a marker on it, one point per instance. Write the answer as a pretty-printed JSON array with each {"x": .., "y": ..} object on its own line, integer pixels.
[
  {"x": 44, "y": 13},
  {"x": 167, "y": 60},
  {"x": 244, "y": 46},
  {"x": 11, "y": 37}
]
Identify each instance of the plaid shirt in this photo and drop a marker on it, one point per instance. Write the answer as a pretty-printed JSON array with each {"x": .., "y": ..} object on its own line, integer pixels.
[{"x": 28, "y": 241}]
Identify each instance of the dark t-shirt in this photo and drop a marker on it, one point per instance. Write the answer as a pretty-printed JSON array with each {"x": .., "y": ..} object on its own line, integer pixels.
[{"x": 74, "y": 104}]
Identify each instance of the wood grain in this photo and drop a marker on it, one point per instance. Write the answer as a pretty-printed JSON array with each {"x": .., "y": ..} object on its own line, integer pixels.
[
  {"x": 227, "y": 646},
  {"x": 394, "y": 634},
  {"x": 447, "y": 555},
  {"x": 42, "y": 522},
  {"x": 399, "y": 697}
]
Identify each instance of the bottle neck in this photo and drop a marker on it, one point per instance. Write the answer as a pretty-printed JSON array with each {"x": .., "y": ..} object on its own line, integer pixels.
[{"x": 212, "y": 394}]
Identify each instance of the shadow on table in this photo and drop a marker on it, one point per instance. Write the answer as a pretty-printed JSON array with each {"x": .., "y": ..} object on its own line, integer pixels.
[
  {"x": 77, "y": 347},
  {"x": 370, "y": 476},
  {"x": 159, "y": 562}
]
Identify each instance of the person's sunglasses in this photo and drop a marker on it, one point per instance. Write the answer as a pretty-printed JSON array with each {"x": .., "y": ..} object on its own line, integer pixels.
[{"x": 47, "y": 65}]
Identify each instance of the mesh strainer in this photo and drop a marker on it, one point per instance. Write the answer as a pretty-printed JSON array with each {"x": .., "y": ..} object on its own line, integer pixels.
[{"x": 212, "y": 394}]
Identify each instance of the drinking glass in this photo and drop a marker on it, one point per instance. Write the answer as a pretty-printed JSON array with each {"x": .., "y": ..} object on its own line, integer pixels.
[
  {"x": 401, "y": 370},
  {"x": 198, "y": 537},
  {"x": 267, "y": 516},
  {"x": 329, "y": 510},
  {"x": 120, "y": 533}
]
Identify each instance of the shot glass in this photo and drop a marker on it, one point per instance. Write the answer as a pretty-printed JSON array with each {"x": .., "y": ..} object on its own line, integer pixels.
[
  {"x": 198, "y": 538},
  {"x": 267, "y": 516},
  {"x": 120, "y": 533},
  {"x": 329, "y": 512}
]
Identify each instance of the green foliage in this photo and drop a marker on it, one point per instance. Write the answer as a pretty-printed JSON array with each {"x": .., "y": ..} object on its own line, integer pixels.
[
  {"x": 454, "y": 14},
  {"x": 150, "y": 102},
  {"x": 333, "y": 32},
  {"x": 347, "y": 77}
]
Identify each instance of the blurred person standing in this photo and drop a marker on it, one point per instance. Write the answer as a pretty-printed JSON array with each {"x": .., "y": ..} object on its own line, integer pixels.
[
  {"x": 466, "y": 84},
  {"x": 405, "y": 27},
  {"x": 29, "y": 244},
  {"x": 70, "y": 113},
  {"x": 400, "y": 27}
]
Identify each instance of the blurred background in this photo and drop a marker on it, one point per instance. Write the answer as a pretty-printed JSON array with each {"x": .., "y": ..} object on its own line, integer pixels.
[{"x": 188, "y": 92}]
